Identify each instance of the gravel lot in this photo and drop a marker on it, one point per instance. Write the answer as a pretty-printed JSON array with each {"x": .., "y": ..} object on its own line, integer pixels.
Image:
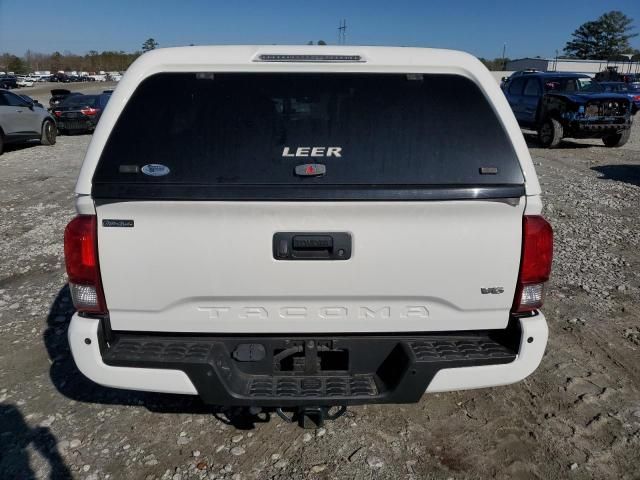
[{"x": 577, "y": 416}]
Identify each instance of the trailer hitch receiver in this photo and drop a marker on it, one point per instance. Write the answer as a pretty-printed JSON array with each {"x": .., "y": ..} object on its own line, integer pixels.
[{"x": 312, "y": 417}]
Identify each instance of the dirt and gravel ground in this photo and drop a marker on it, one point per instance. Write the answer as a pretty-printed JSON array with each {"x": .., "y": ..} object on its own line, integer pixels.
[{"x": 577, "y": 416}]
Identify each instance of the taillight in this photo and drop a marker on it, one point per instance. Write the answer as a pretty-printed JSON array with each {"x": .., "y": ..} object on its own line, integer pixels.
[
  {"x": 57, "y": 113},
  {"x": 535, "y": 264},
  {"x": 90, "y": 111},
  {"x": 636, "y": 98},
  {"x": 81, "y": 258}
]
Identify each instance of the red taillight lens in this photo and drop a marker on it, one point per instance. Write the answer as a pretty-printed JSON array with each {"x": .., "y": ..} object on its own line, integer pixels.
[
  {"x": 57, "y": 113},
  {"x": 636, "y": 98},
  {"x": 90, "y": 111},
  {"x": 535, "y": 266},
  {"x": 81, "y": 258}
]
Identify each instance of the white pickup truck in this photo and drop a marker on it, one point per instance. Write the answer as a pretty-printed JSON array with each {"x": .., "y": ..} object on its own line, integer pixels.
[{"x": 307, "y": 227}]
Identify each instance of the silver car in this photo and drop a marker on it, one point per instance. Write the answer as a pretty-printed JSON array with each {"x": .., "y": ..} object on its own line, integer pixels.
[{"x": 21, "y": 121}]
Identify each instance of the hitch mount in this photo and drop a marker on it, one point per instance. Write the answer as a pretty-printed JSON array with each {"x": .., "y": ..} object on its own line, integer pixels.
[{"x": 312, "y": 417}]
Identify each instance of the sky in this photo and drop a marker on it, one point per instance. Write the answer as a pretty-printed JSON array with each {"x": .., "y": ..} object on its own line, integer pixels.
[{"x": 528, "y": 28}]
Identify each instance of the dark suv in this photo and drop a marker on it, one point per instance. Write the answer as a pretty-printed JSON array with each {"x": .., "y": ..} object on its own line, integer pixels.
[
  {"x": 560, "y": 105},
  {"x": 8, "y": 81},
  {"x": 80, "y": 113}
]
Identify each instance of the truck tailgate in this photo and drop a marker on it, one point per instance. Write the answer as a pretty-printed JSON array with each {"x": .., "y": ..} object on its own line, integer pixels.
[{"x": 209, "y": 267}]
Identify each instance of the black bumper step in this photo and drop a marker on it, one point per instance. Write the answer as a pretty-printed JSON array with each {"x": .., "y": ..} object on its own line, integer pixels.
[
  {"x": 281, "y": 371},
  {"x": 314, "y": 387},
  {"x": 438, "y": 350}
]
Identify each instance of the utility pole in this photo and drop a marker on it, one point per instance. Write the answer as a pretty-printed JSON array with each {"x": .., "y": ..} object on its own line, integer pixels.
[
  {"x": 504, "y": 52},
  {"x": 342, "y": 32}
]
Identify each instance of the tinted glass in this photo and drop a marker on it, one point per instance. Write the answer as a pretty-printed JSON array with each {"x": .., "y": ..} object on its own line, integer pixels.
[
  {"x": 104, "y": 98},
  {"x": 620, "y": 87},
  {"x": 81, "y": 101},
  {"x": 13, "y": 100},
  {"x": 516, "y": 86},
  {"x": 533, "y": 87},
  {"x": 254, "y": 129}
]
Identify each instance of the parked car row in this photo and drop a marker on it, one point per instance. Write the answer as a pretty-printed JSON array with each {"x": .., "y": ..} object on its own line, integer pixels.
[
  {"x": 9, "y": 81},
  {"x": 64, "y": 78},
  {"x": 573, "y": 105}
]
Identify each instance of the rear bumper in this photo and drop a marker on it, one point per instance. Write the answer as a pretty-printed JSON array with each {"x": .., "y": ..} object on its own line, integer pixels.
[
  {"x": 382, "y": 369},
  {"x": 76, "y": 124}
]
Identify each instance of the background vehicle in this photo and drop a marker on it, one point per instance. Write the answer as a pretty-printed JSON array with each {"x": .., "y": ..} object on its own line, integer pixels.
[
  {"x": 260, "y": 221},
  {"x": 24, "y": 82},
  {"x": 8, "y": 81},
  {"x": 58, "y": 95},
  {"x": 611, "y": 74},
  {"x": 80, "y": 113},
  {"x": 21, "y": 121},
  {"x": 114, "y": 76},
  {"x": 60, "y": 78},
  {"x": 560, "y": 105},
  {"x": 631, "y": 90}
]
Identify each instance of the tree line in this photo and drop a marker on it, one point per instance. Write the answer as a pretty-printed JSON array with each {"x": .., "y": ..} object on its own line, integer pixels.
[{"x": 93, "y": 61}]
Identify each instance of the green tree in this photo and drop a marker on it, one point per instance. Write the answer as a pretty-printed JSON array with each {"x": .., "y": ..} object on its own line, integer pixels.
[
  {"x": 56, "y": 62},
  {"x": 91, "y": 61},
  {"x": 149, "y": 44},
  {"x": 321, "y": 42},
  {"x": 602, "y": 38},
  {"x": 16, "y": 65},
  {"x": 497, "y": 64}
]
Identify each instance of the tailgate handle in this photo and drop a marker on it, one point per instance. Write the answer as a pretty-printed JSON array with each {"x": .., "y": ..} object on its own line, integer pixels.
[
  {"x": 313, "y": 242},
  {"x": 311, "y": 246}
]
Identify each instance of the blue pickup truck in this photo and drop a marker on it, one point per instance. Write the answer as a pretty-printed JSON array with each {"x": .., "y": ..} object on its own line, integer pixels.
[
  {"x": 631, "y": 90},
  {"x": 561, "y": 105}
]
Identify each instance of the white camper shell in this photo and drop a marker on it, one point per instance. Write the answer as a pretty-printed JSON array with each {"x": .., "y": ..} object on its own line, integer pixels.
[{"x": 307, "y": 226}]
